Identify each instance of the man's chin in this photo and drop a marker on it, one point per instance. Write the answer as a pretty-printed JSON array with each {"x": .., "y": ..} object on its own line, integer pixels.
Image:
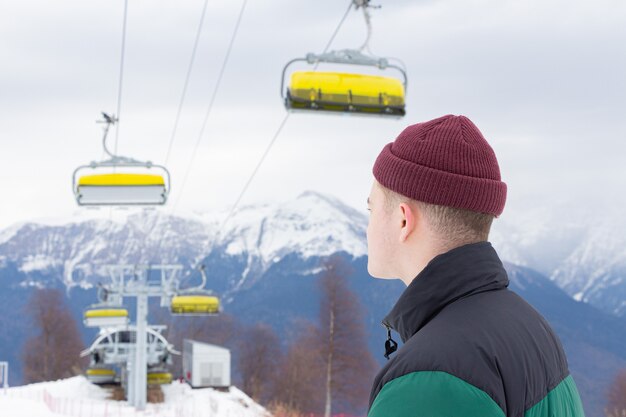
[{"x": 378, "y": 274}]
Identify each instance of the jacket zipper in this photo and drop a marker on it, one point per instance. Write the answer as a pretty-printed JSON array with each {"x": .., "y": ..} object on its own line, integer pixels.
[{"x": 390, "y": 345}]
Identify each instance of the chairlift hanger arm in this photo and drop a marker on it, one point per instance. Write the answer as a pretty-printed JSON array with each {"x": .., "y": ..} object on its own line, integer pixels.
[
  {"x": 117, "y": 160},
  {"x": 198, "y": 288},
  {"x": 364, "y": 4},
  {"x": 403, "y": 72},
  {"x": 109, "y": 121},
  {"x": 282, "y": 80}
]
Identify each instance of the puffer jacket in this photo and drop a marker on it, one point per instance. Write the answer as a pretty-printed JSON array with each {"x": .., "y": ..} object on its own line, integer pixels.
[{"x": 472, "y": 348}]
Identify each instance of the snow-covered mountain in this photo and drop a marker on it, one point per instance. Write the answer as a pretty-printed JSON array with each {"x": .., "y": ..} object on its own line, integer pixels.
[
  {"x": 312, "y": 225},
  {"x": 583, "y": 250},
  {"x": 56, "y": 250},
  {"x": 77, "y": 250}
]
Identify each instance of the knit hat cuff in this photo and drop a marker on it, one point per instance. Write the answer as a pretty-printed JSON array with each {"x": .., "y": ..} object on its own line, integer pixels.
[{"x": 434, "y": 186}]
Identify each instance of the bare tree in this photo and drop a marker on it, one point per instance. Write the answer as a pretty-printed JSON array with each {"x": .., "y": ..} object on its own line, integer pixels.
[
  {"x": 299, "y": 387},
  {"x": 260, "y": 354},
  {"x": 617, "y": 396},
  {"x": 54, "y": 351},
  {"x": 348, "y": 362}
]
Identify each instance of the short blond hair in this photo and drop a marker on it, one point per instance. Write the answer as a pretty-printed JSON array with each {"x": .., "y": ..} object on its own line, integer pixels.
[{"x": 453, "y": 226}]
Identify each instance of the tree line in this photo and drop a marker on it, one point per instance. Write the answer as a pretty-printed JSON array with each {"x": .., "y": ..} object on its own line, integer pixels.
[{"x": 324, "y": 368}]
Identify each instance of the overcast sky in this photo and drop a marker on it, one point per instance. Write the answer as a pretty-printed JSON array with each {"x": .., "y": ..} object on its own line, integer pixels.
[{"x": 545, "y": 81}]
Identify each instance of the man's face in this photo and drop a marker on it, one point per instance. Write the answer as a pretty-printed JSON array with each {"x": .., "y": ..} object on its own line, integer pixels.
[{"x": 380, "y": 241}]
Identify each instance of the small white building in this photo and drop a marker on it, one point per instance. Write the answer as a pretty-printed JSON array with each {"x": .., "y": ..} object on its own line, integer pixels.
[{"x": 206, "y": 365}]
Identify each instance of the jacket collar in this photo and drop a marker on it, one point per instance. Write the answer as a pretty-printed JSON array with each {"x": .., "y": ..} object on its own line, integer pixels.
[{"x": 458, "y": 273}]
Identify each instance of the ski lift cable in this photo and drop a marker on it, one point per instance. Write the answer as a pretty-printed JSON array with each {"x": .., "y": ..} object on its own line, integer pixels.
[
  {"x": 119, "y": 105},
  {"x": 368, "y": 23},
  {"x": 332, "y": 38},
  {"x": 206, "y": 116},
  {"x": 211, "y": 102},
  {"x": 185, "y": 85},
  {"x": 121, "y": 77},
  {"x": 180, "y": 105},
  {"x": 271, "y": 143},
  {"x": 278, "y": 131},
  {"x": 276, "y": 134},
  {"x": 254, "y": 172}
]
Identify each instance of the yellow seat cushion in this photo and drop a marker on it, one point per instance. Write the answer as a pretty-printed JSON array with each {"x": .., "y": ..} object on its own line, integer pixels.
[
  {"x": 113, "y": 312},
  {"x": 346, "y": 89},
  {"x": 195, "y": 304},
  {"x": 121, "y": 179},
  {"x": 159, "y": 378},
  {"x": 100, "y": 372}
]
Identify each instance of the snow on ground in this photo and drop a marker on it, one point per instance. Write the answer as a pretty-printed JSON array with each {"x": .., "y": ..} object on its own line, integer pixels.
[
  {"x": 13, "y": 406},
  {"x": 77, "y": 397}
]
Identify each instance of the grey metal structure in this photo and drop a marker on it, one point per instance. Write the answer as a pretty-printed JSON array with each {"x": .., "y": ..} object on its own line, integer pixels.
[
  {"x": 148, "y": 347},
  {"x": 117, "y": 347},
  {"x": 135, "y": 281},
  {"x": 114, "y": 346},
  {"x": 116, "y": 161}
]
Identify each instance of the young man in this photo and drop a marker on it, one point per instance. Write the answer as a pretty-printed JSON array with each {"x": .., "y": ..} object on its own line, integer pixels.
[{"x": 472, "y": 348}]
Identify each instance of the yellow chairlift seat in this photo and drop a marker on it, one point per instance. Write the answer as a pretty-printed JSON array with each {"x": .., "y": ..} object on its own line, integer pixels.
[
  {"x": 346, "y": 92},
  {"x": 121, "y": 189},
  {"x": 101, "y": 375},
  {"x": 195, "y": 304},
  {"x": 159, "y": 378},
  {"x": 105, "y": 317}
]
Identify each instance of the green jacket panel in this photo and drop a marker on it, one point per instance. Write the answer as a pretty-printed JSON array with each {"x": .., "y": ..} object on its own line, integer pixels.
[
  {"x": 562, "y": 401},
  {"x": 432, "y": 394}
]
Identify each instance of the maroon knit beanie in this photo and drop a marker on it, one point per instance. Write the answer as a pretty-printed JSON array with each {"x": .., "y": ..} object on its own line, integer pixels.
[{"x": 445, "y": 161}]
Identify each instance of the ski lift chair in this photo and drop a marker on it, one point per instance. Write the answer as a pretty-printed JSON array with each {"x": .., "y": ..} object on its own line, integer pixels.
[
  {"x": 120, "y": 181},
  {"x": 121, "y": 189},
  {"x": 345, "y": 92},
  {"x": 105, "y": 316},
  {"x": 101, "y": 375},
  {"x": 195, "y": 304},
  {"x": 356, "y": 93},
  {"x": 195, "y": 300},
  {"x": 159, "y": 377}
]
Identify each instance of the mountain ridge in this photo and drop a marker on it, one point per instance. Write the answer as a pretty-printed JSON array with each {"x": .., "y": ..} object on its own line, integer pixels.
[{"x": 581, "y": 252}]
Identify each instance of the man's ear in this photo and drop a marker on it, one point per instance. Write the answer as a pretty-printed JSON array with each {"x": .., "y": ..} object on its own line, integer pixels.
[{"x": 408, "y": 221}]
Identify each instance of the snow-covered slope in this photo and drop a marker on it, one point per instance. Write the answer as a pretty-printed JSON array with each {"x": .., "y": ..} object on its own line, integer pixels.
[{"x": 78, "y": 397}]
